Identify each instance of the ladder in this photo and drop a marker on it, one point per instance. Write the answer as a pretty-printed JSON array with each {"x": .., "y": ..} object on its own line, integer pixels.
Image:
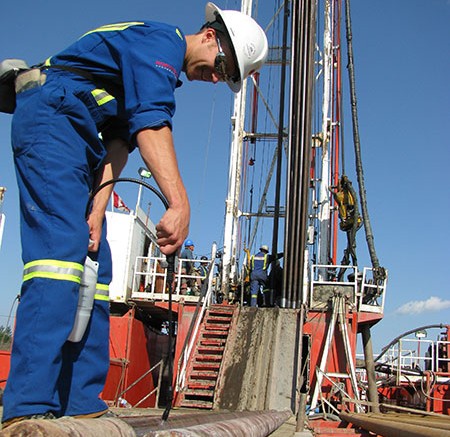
[
  {"x": 204, "y": 364},
  {"x": 338, "y": 316}
]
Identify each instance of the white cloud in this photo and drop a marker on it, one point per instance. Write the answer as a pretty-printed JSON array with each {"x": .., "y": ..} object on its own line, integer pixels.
[{"x": 433, "y": 303}]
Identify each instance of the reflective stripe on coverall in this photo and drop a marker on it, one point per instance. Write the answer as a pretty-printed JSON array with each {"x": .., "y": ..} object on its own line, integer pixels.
[{"x": 258, "y": 275}]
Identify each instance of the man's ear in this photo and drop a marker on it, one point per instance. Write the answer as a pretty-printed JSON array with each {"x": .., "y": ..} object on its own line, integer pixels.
[{"x": 209, "y": 35}]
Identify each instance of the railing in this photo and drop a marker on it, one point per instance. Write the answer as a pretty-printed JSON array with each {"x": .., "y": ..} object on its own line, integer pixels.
[
  {"x": 150, "y": 280},
  {"x": 120, "y": 401},
  {"x": 323, "y": 285},
  {"x": 191, "y": 337},
  {"x": 410, "y": 358},
  {"x": 361, "y": 289},
  {"x": 371, "y": 293}
]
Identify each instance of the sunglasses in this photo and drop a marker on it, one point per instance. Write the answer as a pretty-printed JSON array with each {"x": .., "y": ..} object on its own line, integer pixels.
[{"x": 220, "y": 63}]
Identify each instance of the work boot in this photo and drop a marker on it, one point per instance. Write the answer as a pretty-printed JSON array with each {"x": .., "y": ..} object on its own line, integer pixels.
[{"x": 18, "y": 419}]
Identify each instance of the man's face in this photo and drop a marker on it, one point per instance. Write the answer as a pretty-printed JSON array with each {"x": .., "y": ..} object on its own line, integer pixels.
[{"x": 212, "y": 60}]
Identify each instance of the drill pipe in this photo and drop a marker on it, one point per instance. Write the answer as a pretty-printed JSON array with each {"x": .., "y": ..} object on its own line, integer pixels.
[
  {"x": 383, "y": 425},
  {"x": 69, "y": 428},
  {"x": 244, "y": 423},
  {"x": 258, "y": 424}
]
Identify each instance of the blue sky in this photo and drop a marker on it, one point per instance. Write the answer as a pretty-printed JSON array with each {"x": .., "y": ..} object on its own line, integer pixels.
[{"x": 402, "y": 69}]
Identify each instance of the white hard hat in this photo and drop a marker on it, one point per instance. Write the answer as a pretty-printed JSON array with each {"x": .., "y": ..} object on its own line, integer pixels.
[
  {"x": 248, "y": 39},
  {"x": 264, "y": 247}
]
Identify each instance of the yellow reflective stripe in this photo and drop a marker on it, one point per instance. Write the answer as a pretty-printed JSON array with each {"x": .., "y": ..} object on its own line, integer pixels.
[
  {"x": 102, "y": 292},
  {"x": 54, "y": 262},
  {"x": 101, "y": 96},
  {"x": 53, "y": 269},
  {"x": 114, "y": 27},
  {"x": 101, "y": 297},
  {"x": 179, "y": 34},
  {"x": 259, "y": 258},
  {"x": 104, "y": 287}
]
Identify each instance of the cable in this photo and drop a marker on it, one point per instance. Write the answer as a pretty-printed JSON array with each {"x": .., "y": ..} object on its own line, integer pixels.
[
  {"x": 136, "y": 181},
  {"x": 378, "y": 271}
]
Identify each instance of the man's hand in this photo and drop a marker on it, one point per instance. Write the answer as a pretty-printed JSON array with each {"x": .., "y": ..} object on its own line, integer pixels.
[
  {"x": 95, "y": 222},
  {"x": 172, "y": 230},
  {"x": 115, "y": 160}
]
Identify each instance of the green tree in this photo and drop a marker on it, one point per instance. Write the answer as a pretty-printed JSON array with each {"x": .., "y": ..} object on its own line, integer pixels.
[{"x": 5, "y": 337}]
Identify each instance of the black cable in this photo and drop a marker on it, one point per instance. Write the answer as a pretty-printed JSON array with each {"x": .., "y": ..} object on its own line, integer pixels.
[
  {"x": 396, "y": 339},
  {"x": 170, "y": 275},
  {"x": 136, "y": 181},
  {"x": 379, "y": 272}
]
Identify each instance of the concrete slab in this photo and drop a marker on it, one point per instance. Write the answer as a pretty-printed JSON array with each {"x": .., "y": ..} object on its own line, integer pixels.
[{"x": 259, "y": 366}]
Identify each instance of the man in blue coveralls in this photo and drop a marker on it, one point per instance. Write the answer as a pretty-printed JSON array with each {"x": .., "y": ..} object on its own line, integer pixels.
[
  {"x": 259, "y": 264},
  {"x": 77, "y": 118}
]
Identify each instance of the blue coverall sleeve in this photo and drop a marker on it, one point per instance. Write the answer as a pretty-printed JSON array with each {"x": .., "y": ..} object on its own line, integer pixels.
[{"x": 150, "y": 70}]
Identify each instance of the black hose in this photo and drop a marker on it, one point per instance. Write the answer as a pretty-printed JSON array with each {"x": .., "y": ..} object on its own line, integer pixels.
[
  {"x": 170, "y": 275},
  {"x": 396, "y": 339},
  {"x": 135, "y": 181},
  {"x": 378, "y": 271}
]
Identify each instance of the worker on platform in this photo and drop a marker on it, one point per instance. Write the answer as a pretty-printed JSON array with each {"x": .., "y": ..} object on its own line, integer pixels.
[
  {"x": 77, "y": 118},
  {"x": 259, "y": 265},
  {"x": 187, "y": 265},
  {"x": 202, "y": 268}
]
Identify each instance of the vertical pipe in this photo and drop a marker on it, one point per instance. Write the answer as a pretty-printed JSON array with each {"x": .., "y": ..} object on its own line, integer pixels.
[
  {"x": 301, "y": 413},
  {"x": 324, "y": 213},
  {"x": 276, "y": 217},
  {"x": 337, "y": 145},
  {"x": 302, "y": 81},
  {"x": 370, "y": 368}
]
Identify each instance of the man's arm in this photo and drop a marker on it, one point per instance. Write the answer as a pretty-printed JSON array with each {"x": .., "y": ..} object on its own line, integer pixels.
[
  {"x": 158, "y": 152},
  {"x": 114, "y": 162}
]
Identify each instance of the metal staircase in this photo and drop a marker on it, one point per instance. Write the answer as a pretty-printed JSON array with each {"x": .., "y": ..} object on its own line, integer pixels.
[{"x": 204, "y": 364}]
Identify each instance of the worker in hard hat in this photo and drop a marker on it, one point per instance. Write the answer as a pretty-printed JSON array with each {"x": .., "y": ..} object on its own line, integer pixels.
[
  {"x": 187, "y": 265},
  {"x": 259, "y": 265},
  {"x": 202, "y": 268},
  {"x": 77, "y": 118}
]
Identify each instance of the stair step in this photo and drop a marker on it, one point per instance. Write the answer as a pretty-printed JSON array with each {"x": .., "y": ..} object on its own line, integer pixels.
[
  {"x": 205, "y": 342},
  {"x": 204, "y": 374},
  {"x": 215, "y": 327},
  {"x": 207, "y": 358},
  {"x": 212, "y": 349},
  {"x": 210, "y": 333},
  {"x": 200, "y": 383},
  {"x": 221, "y": 319},
  {"x": 196, "y": 403},
  {"x": 205, "y": 366},
  {"x": 198, "y": 393},
  {"x": 220, "y": 309},
  {"x": 204, "y": 386}
]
